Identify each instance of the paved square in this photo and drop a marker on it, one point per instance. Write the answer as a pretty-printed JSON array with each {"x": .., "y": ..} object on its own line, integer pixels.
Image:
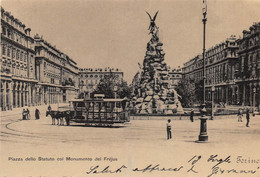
[{"x": 138, "y": 144}]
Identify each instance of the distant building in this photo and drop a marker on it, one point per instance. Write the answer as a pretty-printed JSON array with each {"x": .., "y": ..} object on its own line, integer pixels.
[
  {"x": 175, "y": 75},
  {"x": 90, "y": 77},
  {"x": 220, "y": 62},
  {"x": 18, "y": 82},
  {"x": 248, "y": 67}
]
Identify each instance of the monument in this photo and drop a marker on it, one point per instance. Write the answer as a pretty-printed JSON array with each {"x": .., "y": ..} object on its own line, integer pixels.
[{"x": 153, "y": 93}]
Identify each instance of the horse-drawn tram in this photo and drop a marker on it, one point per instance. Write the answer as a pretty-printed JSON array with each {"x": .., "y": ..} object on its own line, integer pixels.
[{"x": 99, "y": 111}]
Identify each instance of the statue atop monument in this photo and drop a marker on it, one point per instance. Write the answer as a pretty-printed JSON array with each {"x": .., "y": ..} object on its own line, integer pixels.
[{"x": 152, "y": 26}]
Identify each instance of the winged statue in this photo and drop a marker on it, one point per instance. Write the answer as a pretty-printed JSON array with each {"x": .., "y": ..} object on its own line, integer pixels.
[{"x": 152, "y": 22}]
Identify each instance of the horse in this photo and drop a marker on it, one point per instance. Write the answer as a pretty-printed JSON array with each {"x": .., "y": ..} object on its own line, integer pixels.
[
  {"x": 59, "y": 115},
  {"x": 55, "y": 115}
]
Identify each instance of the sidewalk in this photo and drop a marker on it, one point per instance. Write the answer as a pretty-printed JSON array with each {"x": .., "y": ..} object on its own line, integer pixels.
[
  {"x": 175, "y": 117},
  {"x": 42, "y": 109}
]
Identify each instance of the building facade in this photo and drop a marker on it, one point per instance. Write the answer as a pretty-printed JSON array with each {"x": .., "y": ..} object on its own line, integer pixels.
[
  {"x": 220, "y": 62},
  {"x": 57, "y": 74},
  {"x": 248, "y": 67},
  {"x": 33, "y": 72},
  {"x": 18, "y": 82},
  {"x": 90, "y": 77},
  {"x": 175, "y": 75}
]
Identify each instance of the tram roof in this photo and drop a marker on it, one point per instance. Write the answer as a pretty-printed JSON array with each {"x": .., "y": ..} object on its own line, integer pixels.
[{"x": 99, "y": 100}]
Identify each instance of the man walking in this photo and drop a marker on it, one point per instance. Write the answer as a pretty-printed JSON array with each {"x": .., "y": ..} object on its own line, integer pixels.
[
  {"x": 240, "y": 115},
  {"x": 49, "y": 108},
  {"x": 191, "y": 115},
  {"x": 247, "y": 117},
  {"x": 28, "y": 114},
  {"x": 169, "y": 127},
  {"x": 24, "y": 114}
]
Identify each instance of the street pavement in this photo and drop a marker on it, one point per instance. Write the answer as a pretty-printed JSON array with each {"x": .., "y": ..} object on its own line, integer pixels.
[{"x": 137, "y": 144}]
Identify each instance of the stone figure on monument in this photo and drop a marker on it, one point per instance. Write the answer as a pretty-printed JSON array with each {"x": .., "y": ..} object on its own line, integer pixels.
[{"x": 152, "y": 26}]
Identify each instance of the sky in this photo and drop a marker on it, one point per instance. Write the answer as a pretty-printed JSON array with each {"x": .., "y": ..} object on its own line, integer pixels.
[{"x": 114, "y": 33}]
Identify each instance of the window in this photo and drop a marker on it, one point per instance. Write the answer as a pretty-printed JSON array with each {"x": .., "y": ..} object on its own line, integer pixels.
[
  {"x": 8, "y": 33},
  {"x": 21, "y": 56},
  {"x": 3, "y": 30},
  {"x": 13, "y": 53},
  {"x": 3, "y": 49},
  {"x": 8, "y": 51},
  {"x": 12, "y": 36},
  {"x": 17, "y": 55}
]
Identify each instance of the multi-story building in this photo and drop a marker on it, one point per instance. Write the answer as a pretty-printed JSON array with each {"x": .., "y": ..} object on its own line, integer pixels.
[
  {"x": 248, "y": 67},
  {"x": 90, "y": 77},
  {"x": 18, "y": 82},
  {"x": 220, "y": 62},
  {"x": 56, "y": 72},
  {"x": 33, "y": 72},
  {"x": 175, "y": 75}
]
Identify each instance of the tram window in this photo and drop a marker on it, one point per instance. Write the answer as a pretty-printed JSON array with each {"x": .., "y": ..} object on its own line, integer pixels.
[{"x": 81, "y": 104}]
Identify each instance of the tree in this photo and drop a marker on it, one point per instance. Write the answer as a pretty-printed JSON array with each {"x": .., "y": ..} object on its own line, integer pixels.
[
  {"x": 186, "y": 89},
  {"x": 199, "y": 91},
  {"x": 107, "y": 84},
  {"x": 124, "y": 90}
]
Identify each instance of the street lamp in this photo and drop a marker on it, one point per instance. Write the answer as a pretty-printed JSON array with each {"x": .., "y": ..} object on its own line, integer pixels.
[
  {"x": 115, "y": 90},
  {"x": 212, "y": 102},
  {"x": 203, "y": 120},
  {"x": 254, "y": 91}
]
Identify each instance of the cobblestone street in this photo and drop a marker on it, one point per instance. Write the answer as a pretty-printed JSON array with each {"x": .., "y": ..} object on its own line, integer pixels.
[{"x": 140, "y": 142}]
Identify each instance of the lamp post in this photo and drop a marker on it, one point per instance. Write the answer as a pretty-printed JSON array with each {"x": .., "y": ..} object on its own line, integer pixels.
[
  {"x": 254, "y": 91},
  {"x": 115, "y": 90},
  {"x": 212, "y": 102},
  {"x": 203, "y": 120}
]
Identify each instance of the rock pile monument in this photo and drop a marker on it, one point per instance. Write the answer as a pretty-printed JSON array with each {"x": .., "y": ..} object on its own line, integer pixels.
[{"x": 153, "y": 93}]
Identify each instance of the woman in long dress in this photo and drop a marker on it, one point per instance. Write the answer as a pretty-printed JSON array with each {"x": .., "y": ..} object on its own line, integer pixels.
[{"x": 37, "y": 114}]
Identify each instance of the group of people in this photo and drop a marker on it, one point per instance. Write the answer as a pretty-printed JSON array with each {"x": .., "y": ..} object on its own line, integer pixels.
[
  {"x": 26, "y": 114},
  {"x": 239, "y": 114}
]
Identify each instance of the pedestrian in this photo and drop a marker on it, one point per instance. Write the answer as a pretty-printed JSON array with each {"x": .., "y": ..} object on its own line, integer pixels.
[
  {"x": 191, "y": 115},
  {"x": 240, "y": 115},
  {"x": 24, "y": 114},
  {"x": 37, "y": 114},
  {"x": 28, "y": 114},
  {"x": 49, "y": 108},
  {"x": 169, "y": 131},
  {"x": 67, "y": 117},
  {"x": 247, "y": 117}
]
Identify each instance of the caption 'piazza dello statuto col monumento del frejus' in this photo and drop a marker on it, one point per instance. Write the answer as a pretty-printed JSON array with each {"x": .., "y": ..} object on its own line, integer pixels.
[{"x": 34, "y": 72}]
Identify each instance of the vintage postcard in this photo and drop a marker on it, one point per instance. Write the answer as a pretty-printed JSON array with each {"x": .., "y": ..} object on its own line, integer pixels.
[{"x": 130, "y": 88}]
